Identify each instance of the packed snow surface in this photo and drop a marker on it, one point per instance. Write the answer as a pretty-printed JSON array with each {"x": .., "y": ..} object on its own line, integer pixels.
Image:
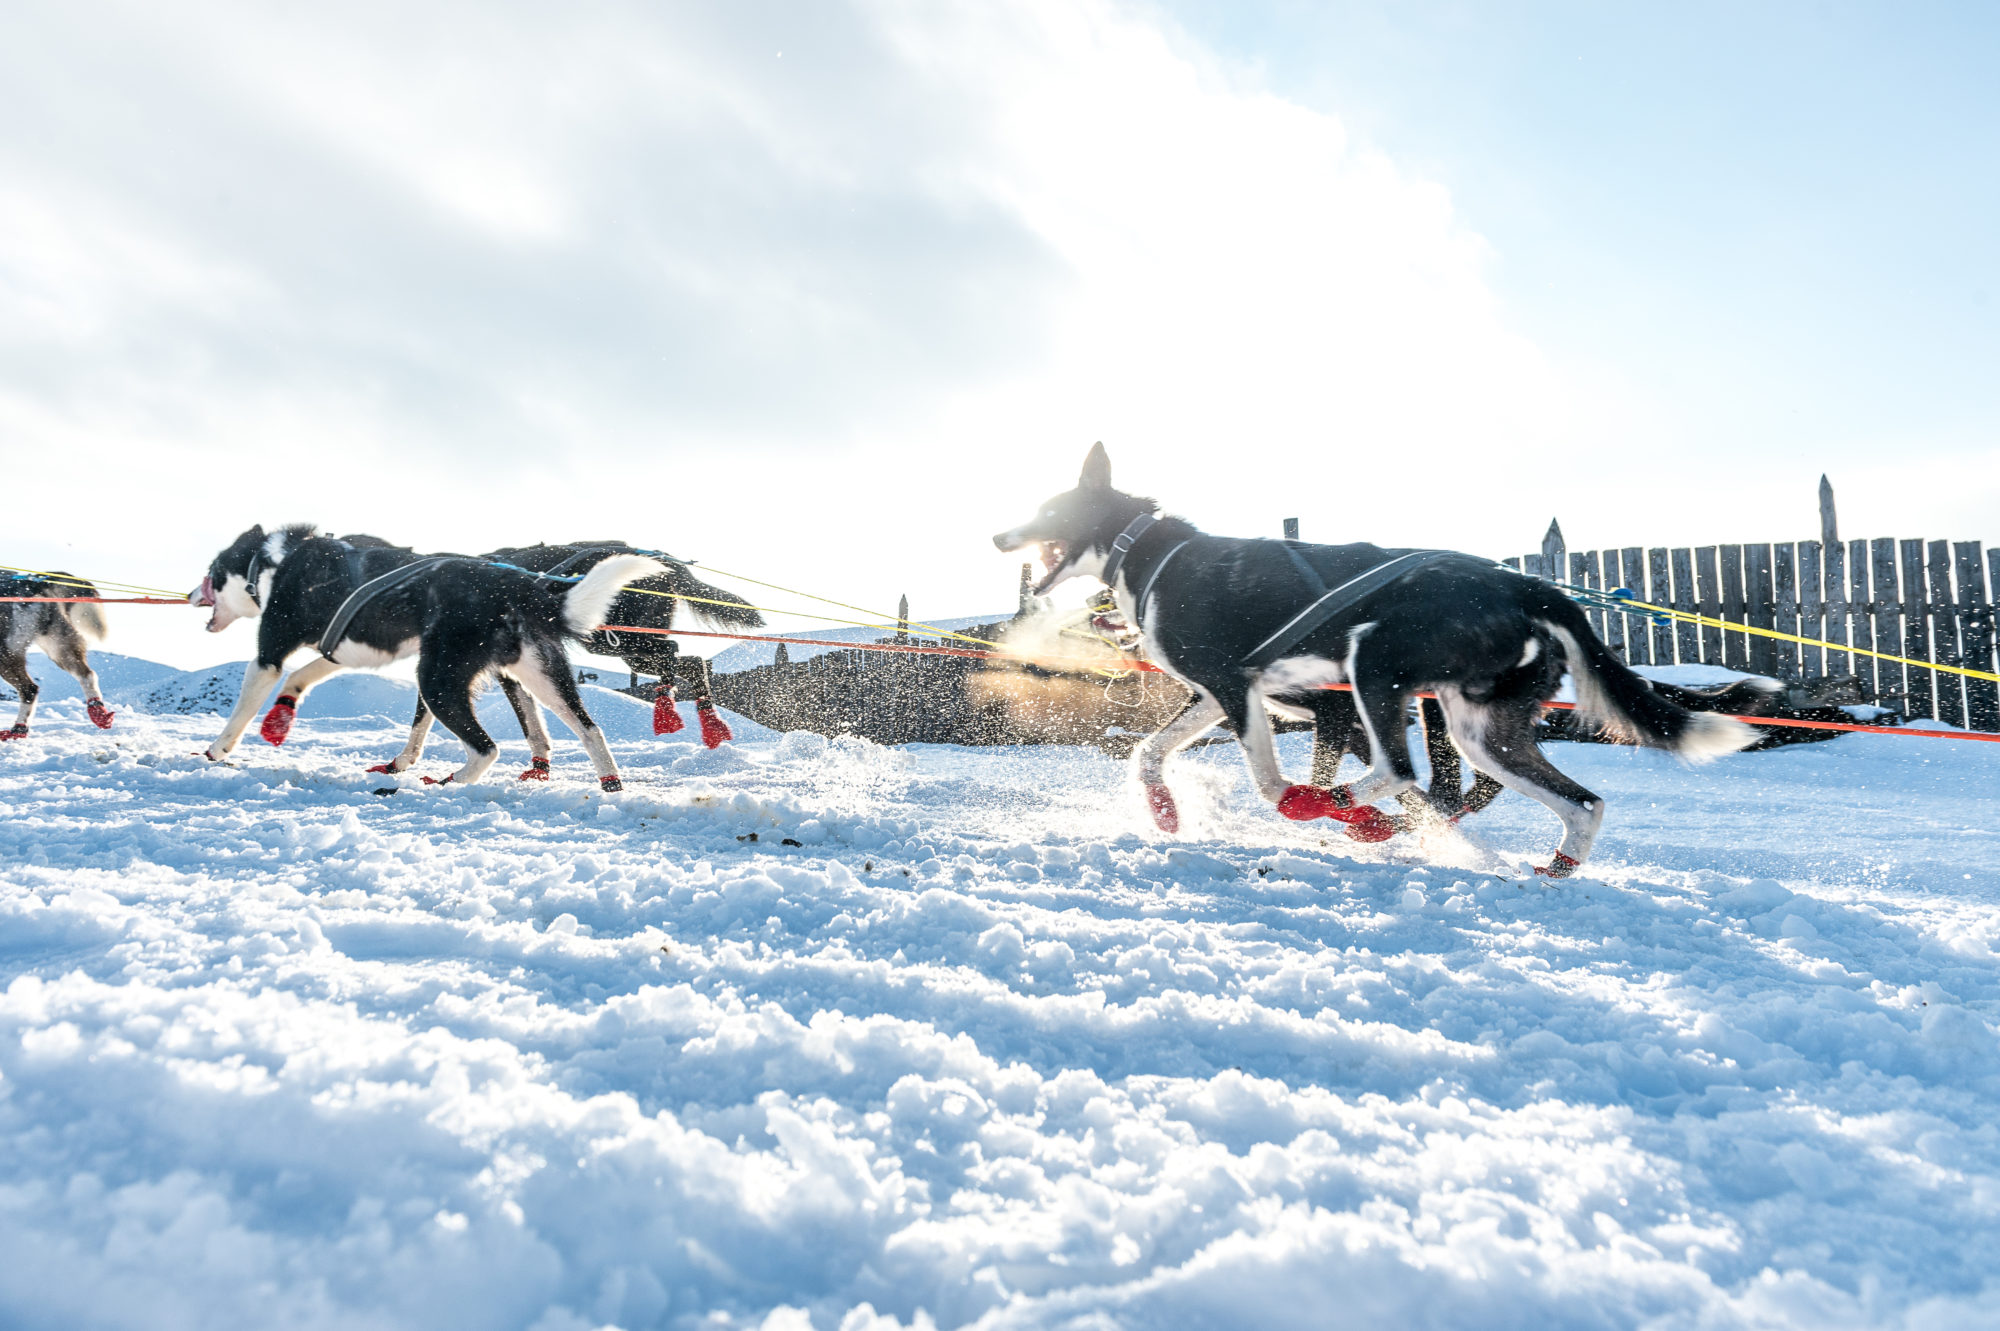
[{"x": 284, "y": 1044}]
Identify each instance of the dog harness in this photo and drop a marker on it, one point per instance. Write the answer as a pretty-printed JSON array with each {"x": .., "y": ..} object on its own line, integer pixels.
[
  {"x": 1333, "y": 601},
  {"x": 1122, "y": 545},
  {"x": 359, "y": 599}
]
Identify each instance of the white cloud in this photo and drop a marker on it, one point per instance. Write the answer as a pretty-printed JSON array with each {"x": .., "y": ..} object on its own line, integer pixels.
[{"x": 822, "y": 293}]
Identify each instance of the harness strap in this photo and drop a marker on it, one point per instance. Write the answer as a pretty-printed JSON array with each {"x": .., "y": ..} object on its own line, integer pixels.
[
  {"x": 1341, "y": 598},
  {"x": 1139, "y": 601},
  {"x": 358, "y": 600},
  {"x": 1122, "y": 545}
]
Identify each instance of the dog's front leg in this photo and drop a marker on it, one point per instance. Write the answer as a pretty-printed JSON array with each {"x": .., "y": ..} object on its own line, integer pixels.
[
  {"x": 257, "y": 681},
  {"x": 1201, "y": 712}
]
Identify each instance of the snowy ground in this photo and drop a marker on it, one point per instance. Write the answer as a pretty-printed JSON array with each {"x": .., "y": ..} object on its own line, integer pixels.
[{"x": 280, "y": 1051}]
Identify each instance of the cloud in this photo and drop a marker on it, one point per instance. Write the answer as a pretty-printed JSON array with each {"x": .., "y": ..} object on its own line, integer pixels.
[{"x": 830, "y": 290}]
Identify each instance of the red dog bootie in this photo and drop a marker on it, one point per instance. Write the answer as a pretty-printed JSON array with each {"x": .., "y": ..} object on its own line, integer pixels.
[
  {"x": 436, "y": 780},
  {"x": 611, "y": 784},
  {"x": 100, "y": 715},
  {"x": 666, "y": 716},
  {"x": 1364, "y": 822},
  {"x": 389, "y": 768},
  {"x": 17, "y": 732},
  {"x": 278, "y": 721},
  {"x": 1562, "y": 866},
  {"x": 714, "y": 730},
  {"x": 538, "y": 770},
  {"x": 1166, "y": 815}
]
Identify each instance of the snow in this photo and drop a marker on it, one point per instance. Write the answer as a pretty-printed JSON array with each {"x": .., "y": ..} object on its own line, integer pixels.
[{"x": 981, "y": 1049}]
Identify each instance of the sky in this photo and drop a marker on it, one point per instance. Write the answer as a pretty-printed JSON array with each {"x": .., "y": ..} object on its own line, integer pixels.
[{"x": 825, "y": 294}]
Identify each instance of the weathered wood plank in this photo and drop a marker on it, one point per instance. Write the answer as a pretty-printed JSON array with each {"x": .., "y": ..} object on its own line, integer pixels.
[
  {"x": 1735, "y": 649},
  {"x": 1886, "y": 603},
  {"x": 1583, "y": 572},
  {"x": 1917, "y": 632},
  {"x": 1660, "y": 591},
  {"x": 1760, "y": 608},
  {"x": 1812, "y": 609},
  {"x": 1687, "y": 637},
  {"x": 1708, "y": 583},
  {"x": 1861, "y": 627},
  {"x": 1512, "y": 561},
  {"x": 1555, "y": 551},
  {"x": 1982, "y": 696},
  {"x": 1944, "y": 636},
  {"x": 1837, "y": 663},
  {"x": 1632, "y": 577},
  {"x": 1785, "y": 575}
]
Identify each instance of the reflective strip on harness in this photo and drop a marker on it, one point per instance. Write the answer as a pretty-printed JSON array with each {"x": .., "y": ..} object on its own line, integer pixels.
[
  {"x": 1333, "y": 602},
  {"x": 358, "y": 600}
]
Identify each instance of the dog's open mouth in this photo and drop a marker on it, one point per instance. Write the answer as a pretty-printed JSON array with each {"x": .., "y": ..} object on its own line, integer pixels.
[{"x": 1055, "y": 554}]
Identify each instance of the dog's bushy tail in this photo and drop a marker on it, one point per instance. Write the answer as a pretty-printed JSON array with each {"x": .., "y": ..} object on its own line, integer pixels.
[
  {"x": 1620, "y": 703},
  {"x": 586, "y": 604}
]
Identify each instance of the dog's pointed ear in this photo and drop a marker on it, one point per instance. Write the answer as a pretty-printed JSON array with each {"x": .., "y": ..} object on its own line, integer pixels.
[
  {"x": 1096, "y": 469},
  {"x": 256, "y": 531}
]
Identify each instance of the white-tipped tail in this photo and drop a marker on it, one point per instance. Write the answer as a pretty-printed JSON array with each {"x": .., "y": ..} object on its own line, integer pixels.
[
  {"x": 586, "y": 604},
  {"x": 89, "y": 621},
  {"x": 1710, "y": 735},
  {"x": 1643, "y": 717}
]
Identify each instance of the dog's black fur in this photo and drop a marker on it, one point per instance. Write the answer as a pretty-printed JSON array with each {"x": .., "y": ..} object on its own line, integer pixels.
[
  {"x": 1491, "y": 643},
  {"x": 63, "y": 630}
]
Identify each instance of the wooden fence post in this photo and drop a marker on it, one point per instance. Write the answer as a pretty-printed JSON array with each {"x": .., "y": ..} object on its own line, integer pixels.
[
  {"x": 1944, "y": 637},
  {"x": 1829, "y": 524},
  {"x": 1760, "y": 607},
  {"x": 1291, "y": 529},
  {"x": 1837, "y": 663},
  {"x": 1916, "y": 631},
  {"x": 1786, "y": 618},
  {"x": 1861, "y": 626},
  {"x": 1555, "y": 552},
  {"x": 1659, "y": 591},
  {"x": 1888, "y": 624},
  {"x": 1632, "y": 577},
  {"x": 1735, "y": 646},
  {"x": 1708, "y": 582},
  {"x": 1982, "y": 696},
  {"x": 1811, "y": 609},
  {"x": 1687, "y": 638}
]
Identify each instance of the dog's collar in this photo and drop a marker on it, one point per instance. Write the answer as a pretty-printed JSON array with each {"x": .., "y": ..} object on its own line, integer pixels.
[
  {"x": 250, "y": 576},
  {"x": 1122, "y": 544}
]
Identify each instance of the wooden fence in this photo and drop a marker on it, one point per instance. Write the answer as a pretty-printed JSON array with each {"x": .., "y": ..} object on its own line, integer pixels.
[{"x": 1925, "y": 600}]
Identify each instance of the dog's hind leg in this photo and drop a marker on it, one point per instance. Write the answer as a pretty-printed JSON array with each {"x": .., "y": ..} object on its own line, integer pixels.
[
  {"x": 446, "y": 685},
  {"x": 67, "y": 648},
  {"x": 544, "y": 670},
  {"x": 1201, "y": 712},
  {"x": 278, "y": 721},
  {"x": 258, "y": 677},
  {"x": 529, "y": 713},
  {"x": 14, "y": 669},
  {"x": 420, "y": 729},
  {"x": 1500, "y": 740}
]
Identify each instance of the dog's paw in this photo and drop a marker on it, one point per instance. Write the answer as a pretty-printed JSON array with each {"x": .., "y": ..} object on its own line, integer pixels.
[
  {"x": 100, "y": 715},
  {"x": 278, "y": 721},
  {"x": 538, "y": 770},
  {"x": 1562, "y": 866},
  {"x": 1166, "y": 814},
  {"x": 714, "y": 730},
  {"x": 611, "y": 784},
  {"x": 1371, "y": 826},
  {"x": 17, "y": 732}
]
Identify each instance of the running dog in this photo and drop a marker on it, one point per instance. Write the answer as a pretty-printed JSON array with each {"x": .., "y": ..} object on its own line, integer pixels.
[
  {"x": 467, "y": 618},
  {"x": 1247, "y": 624},
  {"x": 60, "y": 628}
]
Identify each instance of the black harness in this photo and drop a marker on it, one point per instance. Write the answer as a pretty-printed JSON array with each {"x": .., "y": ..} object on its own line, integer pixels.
[
  {"x": 1332, "y": 601},
  {"x": 359, "y": 599},
  {"x": 1327, "y": 602}
]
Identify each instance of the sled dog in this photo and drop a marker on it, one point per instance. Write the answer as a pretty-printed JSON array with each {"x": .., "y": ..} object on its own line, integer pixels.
[
  {"x": 466, "y": 619},
  {"x": 1248, "y": 623},
  {"x": 63, "y": 630}
]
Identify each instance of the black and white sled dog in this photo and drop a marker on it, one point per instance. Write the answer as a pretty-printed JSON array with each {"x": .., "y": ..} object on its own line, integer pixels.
[
  {"x": 465, "y": 619},
  {"x": 61, "y": 629},
  {"x": 1247, "y": 624},
  {"x": 646, "y": 603}
]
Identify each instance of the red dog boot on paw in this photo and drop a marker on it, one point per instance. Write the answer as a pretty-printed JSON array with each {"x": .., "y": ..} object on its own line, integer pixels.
[
  {"x": 1166, "y": 815},
  {"x": 666, "y": 716},
  {"x": 714, "y": 730},
  {"x": 538, "y": 770},
  {"x": 278, "y": 721},
  {"x": 100, "y": 715}
]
